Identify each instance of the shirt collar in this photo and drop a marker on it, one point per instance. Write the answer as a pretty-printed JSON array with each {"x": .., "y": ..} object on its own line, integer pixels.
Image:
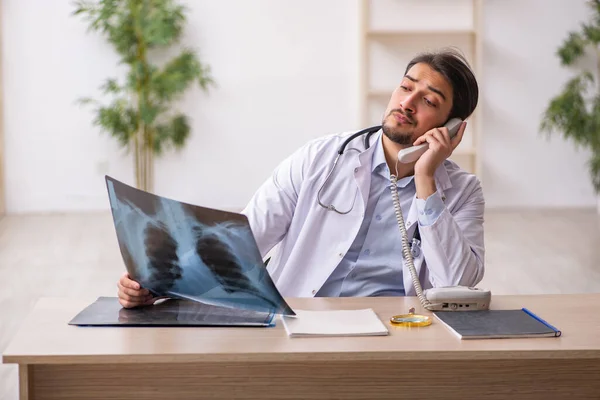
[
  {"x": 378, "y": 161},
  {"x": 379, "y": 164}
]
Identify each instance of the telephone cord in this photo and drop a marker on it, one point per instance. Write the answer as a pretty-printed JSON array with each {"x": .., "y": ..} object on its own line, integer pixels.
[{"x": 405, "y": 246}]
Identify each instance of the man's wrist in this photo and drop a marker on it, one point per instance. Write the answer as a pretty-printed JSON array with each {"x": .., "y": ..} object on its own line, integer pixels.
[{"x": 425, "y": 186}]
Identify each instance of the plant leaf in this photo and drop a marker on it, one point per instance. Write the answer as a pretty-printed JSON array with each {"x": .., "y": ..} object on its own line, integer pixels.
[
  {"x": 173, "y": 133},
  {"x": 162, "y": 22},
  {"x": 149, "y": 112},
  {"x": 84, "y": 101},
  {"x": 177, "y": 75},
  {"x": 572, "y": 48},
  {"x": 115, "y": 119},
  {"x": 111, "y": 86},
  {"x": 567, "y": 112},
  {"x": 591, "y": 33},
  {"x": 594, "y": 167}
]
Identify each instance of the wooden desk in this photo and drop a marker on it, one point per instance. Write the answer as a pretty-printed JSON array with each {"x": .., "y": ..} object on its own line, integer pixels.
[{"x": 58, "y": 361}]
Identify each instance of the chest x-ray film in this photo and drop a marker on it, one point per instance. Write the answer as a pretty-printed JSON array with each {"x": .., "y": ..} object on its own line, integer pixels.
[
  {"x": 189, "y": 252},
  {"x": 106, "y": 311}
]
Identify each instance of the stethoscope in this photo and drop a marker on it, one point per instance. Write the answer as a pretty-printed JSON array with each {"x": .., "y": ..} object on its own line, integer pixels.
[
  {"x": 367, "y": 142},
  {"x": 368, "y": 132}
]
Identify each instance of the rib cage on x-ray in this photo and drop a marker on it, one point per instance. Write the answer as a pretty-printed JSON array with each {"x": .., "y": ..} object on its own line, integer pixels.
[
  {"x": 163, "y": 262},
  {"x": 171, "y": 252},
  {"x": 223, "y": 264}
]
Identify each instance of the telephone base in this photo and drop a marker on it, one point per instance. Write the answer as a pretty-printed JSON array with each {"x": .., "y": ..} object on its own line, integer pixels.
[{"x": 458, "y": 298}]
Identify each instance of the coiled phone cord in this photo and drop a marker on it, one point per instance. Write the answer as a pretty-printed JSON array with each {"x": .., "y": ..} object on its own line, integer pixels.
[{"x": 405, "y": 246}]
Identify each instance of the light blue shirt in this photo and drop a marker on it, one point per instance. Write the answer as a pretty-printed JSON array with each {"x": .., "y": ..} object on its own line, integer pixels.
[{"x": 373, "y": 264}]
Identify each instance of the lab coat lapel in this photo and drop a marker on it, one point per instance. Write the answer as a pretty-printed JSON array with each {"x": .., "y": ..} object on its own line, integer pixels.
[
  {"x": 362, "y": 171},
  {"x": 411, "y": 219},
  {"x": 362, "y": 177}
]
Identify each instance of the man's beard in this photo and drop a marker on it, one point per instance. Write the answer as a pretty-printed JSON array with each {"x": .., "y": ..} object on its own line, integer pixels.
[{"x": 393, "y": 131}]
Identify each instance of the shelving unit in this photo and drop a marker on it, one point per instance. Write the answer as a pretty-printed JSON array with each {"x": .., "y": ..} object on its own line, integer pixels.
[
  {"x": 394, "y": 31},
  {"x": 2, "y": 180}
]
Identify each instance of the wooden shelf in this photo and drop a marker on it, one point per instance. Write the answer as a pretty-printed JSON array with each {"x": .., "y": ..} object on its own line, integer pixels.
[
  {"x": 412, "y": 32},
  {"x": 2, "y": 151},
  {"x": 380, "y": 93},
  {"x": 464, "y": 152}
]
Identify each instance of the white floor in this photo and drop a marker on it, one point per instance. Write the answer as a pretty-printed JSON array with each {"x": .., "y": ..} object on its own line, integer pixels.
[{"x": 75, "y": 254}]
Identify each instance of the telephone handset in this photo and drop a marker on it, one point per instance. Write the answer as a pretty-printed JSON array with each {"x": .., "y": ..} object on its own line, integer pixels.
[
  {"x": 451, "y": 298},
  {"x": 412, "y": 154}
]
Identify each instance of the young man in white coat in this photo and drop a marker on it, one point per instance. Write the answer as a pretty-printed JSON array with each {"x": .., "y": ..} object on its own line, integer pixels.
[{"x": 356, "y": 248}]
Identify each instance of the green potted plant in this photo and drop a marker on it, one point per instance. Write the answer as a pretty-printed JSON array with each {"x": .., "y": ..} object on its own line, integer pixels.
[
  {"x": 575, "y": 112},
  {"x": 140, "y": 112}
]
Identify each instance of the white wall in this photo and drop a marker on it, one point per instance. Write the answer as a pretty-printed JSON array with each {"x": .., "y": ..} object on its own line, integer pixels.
[
  {"x": 286, "y": 72},
  {"x": 522, "y": 74}
]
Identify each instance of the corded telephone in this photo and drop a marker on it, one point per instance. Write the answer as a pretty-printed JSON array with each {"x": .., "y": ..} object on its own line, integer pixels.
[
  {"x": 454, "y": 298},
  {"x": 412, "y": 154}
]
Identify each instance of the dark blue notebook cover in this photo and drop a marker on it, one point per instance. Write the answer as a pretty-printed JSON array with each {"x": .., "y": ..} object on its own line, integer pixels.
[{"x": 496, "y": 324}]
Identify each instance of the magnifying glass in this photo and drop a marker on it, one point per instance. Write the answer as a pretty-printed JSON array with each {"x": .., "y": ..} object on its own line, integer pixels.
[{"x": 411, "y": 319}]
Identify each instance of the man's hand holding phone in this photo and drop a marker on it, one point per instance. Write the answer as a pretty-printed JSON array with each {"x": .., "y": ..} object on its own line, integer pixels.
[{"x": 440, "y": 148}]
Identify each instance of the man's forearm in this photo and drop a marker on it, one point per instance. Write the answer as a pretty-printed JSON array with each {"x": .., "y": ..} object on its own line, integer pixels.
[
  {"x": 453, "y": 247},
  {"x": 425, "y": 186},
  {"x": 452, "y": 257}
]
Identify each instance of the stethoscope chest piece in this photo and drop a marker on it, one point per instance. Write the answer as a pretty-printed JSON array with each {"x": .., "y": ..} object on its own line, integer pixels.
[{"x": 416, "y": 248}]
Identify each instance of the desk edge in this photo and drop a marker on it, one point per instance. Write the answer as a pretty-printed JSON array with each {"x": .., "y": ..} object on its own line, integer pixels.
[{"x": 298, "y": 357}]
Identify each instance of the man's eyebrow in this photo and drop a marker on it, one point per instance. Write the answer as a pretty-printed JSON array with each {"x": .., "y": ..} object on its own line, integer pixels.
[{"x": 435, "y": 90}]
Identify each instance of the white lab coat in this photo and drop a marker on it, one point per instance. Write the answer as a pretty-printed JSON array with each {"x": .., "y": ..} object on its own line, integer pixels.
[{"x": 311, "y": 240}]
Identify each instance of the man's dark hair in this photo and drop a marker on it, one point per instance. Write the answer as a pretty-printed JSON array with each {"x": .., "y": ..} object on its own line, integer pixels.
[{"x": 454, "y": 67}]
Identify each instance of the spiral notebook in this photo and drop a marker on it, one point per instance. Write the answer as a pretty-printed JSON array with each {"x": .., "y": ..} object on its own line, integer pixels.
[{"x": 497, "y": 324}]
